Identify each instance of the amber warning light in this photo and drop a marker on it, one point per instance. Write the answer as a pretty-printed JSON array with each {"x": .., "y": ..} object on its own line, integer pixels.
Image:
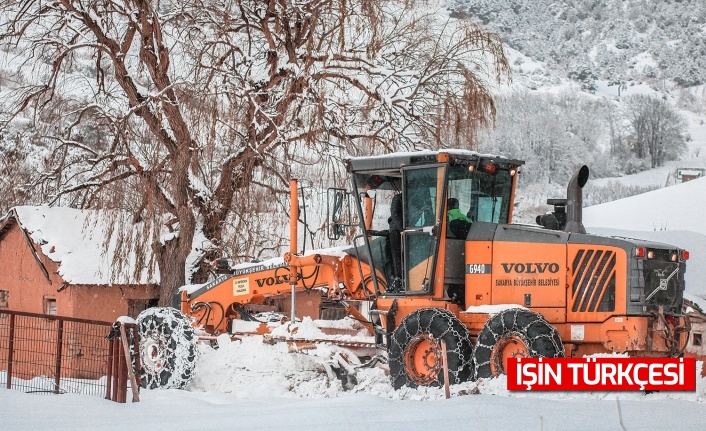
[{"x": 601, "y": 374}]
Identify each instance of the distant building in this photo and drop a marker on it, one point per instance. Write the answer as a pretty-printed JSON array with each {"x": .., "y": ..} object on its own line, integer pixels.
[
  {"x": 688, "y": 174},
  {"x": 696, "y": 347},
  {"x": 61, "y": 261}
]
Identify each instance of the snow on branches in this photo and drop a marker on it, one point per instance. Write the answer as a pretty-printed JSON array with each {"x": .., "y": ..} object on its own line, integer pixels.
[{"x": 175, "y": 110}]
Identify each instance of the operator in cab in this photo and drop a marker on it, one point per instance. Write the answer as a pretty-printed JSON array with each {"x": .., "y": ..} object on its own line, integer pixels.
[{"x": 459, "y": 223}]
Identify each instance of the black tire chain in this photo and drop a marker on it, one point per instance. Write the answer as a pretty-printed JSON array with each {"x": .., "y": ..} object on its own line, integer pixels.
[
  {"x": 176, "y": 335},
  {"x": 541, "y": 338},
  {"x": 441, "y": 324}
]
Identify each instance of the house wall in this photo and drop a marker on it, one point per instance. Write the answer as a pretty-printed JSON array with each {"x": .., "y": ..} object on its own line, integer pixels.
[
  {"x": 685, "y": 178},
  {"x": 107, "y": 302},
  {"x": 698, "y": 327},
  {"x": 22, "y": 277}
]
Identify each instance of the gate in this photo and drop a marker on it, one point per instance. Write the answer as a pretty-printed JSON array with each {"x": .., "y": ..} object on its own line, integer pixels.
[{"x": 51, "y": 354}]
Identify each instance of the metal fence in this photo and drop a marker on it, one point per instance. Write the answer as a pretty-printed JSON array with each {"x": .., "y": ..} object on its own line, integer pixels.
[{"x": 52, "y": 354}]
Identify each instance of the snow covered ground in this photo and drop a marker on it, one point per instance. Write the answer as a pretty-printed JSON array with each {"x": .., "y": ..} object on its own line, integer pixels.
[
  {"x": 184, "y": 410},
  {"x": 256, "y": 386}
]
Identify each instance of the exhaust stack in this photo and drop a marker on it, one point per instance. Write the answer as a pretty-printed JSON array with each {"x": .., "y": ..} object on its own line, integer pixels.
[{"x": 574, "y": 201}]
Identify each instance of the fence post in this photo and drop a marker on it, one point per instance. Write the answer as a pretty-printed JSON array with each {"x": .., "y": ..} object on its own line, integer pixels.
[
  {"x": 111, "y": 374},
  {"x": 445, "y": 359},
  {"x": 122, "y": 378},
  {"x": 136, "y": 347},
  {"x": 116, "y": 371},
  {"x": 10, "y": 351},
  {"x": 59, "y": 342},
  {"x": 128, "y": 362}
]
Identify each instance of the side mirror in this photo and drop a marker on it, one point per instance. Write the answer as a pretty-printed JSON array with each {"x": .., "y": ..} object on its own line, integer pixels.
[{"x": 338, "y": 210}]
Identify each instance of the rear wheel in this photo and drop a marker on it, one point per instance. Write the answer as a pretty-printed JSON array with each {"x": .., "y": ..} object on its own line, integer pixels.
[
  {"x": 415, "y": 354},
  {"x": 168, "y": 350},
  {"x": 514, "y": 333}
]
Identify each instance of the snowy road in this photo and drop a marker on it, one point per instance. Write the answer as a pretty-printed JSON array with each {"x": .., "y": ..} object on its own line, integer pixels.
[{"x": 181, "y": 410}]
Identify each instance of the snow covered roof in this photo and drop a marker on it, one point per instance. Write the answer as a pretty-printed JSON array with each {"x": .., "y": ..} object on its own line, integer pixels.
[
  {"x": 691, "y": 172},
  {"x": 76, "y": 240},
  {"x": 397, "y": 160}
]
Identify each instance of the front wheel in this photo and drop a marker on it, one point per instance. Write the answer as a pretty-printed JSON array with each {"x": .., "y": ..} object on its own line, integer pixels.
[
  {"x": 168, "y": 350},
  {"x": 514, "y": 333},
  {"x": 415, "y": 354}
]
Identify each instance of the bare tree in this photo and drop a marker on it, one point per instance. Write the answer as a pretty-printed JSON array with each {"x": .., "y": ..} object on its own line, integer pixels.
[
  {"x": 15, "y": 175},
  {"x": 551, "y": 132},
  {"x": 657, "y": 130},
  {"x": 171, "y": 109}
]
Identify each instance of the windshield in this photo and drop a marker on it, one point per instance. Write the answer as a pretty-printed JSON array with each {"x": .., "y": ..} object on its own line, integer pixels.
[{"x": 481, "y": 196}]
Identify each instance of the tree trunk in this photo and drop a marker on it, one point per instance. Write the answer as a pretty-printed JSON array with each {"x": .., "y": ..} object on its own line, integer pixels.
[
  {"x": 171, "y": 258},
  {"x": 171, "y": 271}
]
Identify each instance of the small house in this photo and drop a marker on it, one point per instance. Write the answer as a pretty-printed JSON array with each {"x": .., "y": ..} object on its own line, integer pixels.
[
  {"x": 688, "y": 174},
  {"x": 694, "y": 308},
  {"x": 62, "y": 261}
]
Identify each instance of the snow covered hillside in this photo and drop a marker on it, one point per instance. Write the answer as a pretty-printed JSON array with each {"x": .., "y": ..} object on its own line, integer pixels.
[{"x": 620, "y": 41}]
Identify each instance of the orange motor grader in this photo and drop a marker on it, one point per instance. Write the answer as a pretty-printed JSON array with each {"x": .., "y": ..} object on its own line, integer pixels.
[{"x": 438, "y": 267}]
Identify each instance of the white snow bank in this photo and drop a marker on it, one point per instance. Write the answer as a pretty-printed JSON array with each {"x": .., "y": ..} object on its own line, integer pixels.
[
  {"x": 351, "y": 330},
  {"x": 492, "y": 309},
  {"x": 174, "y": 409},
  {"x": 679, "y": 207},
  {"x": 251, "y": 368},
  {"x": 654, "y": 178}
]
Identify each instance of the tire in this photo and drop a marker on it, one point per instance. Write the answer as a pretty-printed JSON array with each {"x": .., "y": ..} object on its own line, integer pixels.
[
  {"x": 168, "y": 350},
  {"x": 415, "y": 349},
  {"x": 514, "y": 333}
]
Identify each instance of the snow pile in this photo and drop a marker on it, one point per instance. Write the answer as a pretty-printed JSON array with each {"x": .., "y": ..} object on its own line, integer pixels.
[
  {"x": 492, "y": 309},
  {"x": 85, "y": 243},
  {"x": 347, "y": 329},
  {"x": 679, "y": 207},
  {"x": 251, "y": 368}
]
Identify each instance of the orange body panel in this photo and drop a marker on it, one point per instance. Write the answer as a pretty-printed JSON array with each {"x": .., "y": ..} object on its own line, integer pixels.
[
  {"x": 618, "y": 334},
  {"x": 478, "y": 278},
  {"x": 519, "y": 269},
  {"x": 253, "y": 286}
]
